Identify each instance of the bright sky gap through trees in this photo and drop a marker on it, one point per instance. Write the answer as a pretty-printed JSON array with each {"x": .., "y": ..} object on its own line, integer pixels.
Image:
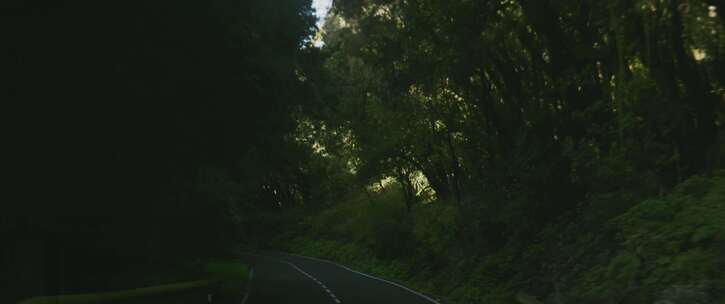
[{"x": 321, "y": 7}]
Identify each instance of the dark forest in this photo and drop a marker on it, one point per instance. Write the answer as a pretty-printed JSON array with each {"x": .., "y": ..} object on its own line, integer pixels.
[{"x": 513, "y": 151}]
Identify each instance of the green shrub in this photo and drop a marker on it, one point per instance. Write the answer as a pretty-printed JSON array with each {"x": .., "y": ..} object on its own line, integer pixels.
[
  {"x": 228, "y": 274},
  {"x": 668, "y": 242}
]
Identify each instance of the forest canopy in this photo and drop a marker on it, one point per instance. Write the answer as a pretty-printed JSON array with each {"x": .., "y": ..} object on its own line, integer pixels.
[{"x": 479, "y": 150}]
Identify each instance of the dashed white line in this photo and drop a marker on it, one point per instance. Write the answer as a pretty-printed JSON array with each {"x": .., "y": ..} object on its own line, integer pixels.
[
  {"x": 348, "y": 269},
  {"x": 369, "y": 276},
  {"x": 329, "y": 292}
]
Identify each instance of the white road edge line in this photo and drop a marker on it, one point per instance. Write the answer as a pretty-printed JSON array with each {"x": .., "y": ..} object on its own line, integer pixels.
[
  {"x": 368, "y": 276},
  {"x": 329, "y": 292},
  {"x": 249, "y": 283}
]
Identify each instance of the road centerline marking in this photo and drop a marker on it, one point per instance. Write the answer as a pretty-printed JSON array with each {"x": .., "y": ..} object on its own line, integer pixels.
[
  {"x": 311, "y": 277},
  {"x": 366, "y": 275}
]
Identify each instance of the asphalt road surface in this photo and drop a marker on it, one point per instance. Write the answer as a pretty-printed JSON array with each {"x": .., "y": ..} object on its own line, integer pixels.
[{"x": 281, "y": 278}]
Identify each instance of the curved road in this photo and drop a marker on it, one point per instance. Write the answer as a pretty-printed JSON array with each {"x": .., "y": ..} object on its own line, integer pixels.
[{"x": 281, "y": 278}]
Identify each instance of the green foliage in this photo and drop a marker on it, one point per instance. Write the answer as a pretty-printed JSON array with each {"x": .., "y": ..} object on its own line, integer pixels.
[
  {"x": 229, "y": 276},
  {"x": 665, "y": 247},
  {"x": 161, "y": 137},
  {"x": 524, "y": 147},
  {"x": 435, "y": 229},
  {"x": 670, "y": 242},
  {"x": 547, "y": 134},
  {"x": 389, "y": 226},
  {"x": 125, "y": 296},
  {"x": 227, "y": 270}
]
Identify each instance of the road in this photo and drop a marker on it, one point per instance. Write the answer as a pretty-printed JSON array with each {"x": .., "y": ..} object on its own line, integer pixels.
[{"x": 281, "y": 278}]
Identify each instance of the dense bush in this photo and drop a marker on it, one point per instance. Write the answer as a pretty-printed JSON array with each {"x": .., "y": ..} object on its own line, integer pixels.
[{"x": 669, "y": 247}]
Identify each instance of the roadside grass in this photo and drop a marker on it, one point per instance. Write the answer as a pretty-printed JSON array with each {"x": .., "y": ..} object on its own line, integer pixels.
[
  {"x": 119, "y": 296},
  {"x": 224, "y": 278},
  {"x": 229, "y": 275},
  {"x": 668, "y": 249}
]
